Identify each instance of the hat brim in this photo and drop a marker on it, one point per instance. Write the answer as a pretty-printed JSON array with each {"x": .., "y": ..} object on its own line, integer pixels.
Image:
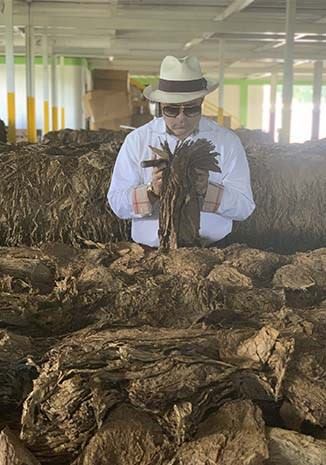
[{"x": 155, "y": 95}]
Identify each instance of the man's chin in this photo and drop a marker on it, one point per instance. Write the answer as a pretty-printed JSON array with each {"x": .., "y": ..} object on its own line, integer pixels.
[{"x": 180, "y": 131}]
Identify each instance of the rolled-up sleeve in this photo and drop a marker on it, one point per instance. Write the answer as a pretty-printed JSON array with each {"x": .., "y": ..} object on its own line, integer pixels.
[{"x": 237, "y": 201}]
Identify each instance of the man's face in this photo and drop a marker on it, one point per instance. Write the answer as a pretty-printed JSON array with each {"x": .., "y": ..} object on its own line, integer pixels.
[{"x": 182, "y": 118}]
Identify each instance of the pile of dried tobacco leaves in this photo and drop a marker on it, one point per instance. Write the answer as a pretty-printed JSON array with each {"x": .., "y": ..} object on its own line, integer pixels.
[
  {"x": 56, "y": 191},
  {"x": 112, "y": 355},
  {"x": 250, "y": 137},
  {"x": 289, "y": 187},
  {"x": 121, "y": 356}
]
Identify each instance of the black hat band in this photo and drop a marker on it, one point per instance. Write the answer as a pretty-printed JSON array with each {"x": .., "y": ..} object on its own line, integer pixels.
[{"x": 182, "y": 86}]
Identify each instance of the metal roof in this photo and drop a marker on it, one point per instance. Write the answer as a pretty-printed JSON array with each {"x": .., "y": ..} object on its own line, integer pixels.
[{"x": 137, "y": 34}]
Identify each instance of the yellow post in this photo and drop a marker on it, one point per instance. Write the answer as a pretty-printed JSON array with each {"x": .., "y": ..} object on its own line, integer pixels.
[
  {"x": 31, "y": 120},
  {"x": 63, "y": 122},
  {"x": 220, "y": 116},
  {"x": 46, "y": 117},
  {"x": 11, "y": 117},
  {"x": 55, "y": 119}
]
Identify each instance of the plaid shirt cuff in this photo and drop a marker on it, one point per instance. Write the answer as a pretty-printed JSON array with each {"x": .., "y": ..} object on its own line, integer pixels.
[
  {"x": 213, "y": 198},
  {"x": 140, "y": 202}
]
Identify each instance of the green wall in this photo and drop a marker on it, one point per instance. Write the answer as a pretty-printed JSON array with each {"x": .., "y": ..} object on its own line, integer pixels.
[{"x": 21, "y": 60}]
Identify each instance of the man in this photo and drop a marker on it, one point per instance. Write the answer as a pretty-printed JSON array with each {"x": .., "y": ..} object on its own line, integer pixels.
[{"x": 134, "y": 191}]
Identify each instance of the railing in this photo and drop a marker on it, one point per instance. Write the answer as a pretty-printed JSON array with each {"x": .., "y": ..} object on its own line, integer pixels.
[{"x": 222, "y": 117}]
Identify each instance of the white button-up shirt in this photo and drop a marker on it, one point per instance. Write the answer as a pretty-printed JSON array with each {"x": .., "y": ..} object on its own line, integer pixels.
[{"x": 237, "y": 201}]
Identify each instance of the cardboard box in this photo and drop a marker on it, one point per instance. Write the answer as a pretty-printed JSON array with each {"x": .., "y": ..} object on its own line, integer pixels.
[
  {"x": 108, "y": 79},
  {"x": 107, "y": 105},
  {"x": 138, "y": 120}
]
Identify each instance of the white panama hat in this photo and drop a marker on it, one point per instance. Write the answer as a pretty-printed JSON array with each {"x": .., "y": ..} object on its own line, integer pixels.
[{"x": 181, "y": 80}]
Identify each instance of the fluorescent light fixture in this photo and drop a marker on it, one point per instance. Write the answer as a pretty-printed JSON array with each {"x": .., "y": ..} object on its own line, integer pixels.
[{"x": 193, "y": 42}]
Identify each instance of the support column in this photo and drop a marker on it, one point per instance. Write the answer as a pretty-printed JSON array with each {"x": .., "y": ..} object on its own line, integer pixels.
[
  {"x": 10, "y": 70},
  {"x": 288, "y": 71},
  {"x": 45, "y": 53},
  {"x": 89, "y": 87},
  {"x": 318, "y": 82},
  {"x": 30, "y": 85},
  {"x": 62, "y": 92},
  {"x": 54, "y": 96},
  {"x": 83, "y": 81},
  {"x": 272, "y": 115},
  {"x": 243, "y": 103},
  {"x": 220, "y": 116}
]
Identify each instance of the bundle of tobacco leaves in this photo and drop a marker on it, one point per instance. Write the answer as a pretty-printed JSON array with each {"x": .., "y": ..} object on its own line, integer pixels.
[
  {"x": 3, "y": 132},
  {"x": 57, "y": 193},
  {"x": 4, "y": 147},
  {"x": 84, "y": 136},
  {"x": 288, "y": 183},
  {"x": 251, "y": 137},
  {"x": 180, "y": 199}
]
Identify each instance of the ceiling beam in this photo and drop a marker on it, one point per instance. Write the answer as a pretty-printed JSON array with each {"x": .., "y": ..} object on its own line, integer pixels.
[
  {"x": 161, "y": 39},
  {"x": 234, "y": 7},
  {"x": 280, "y": 43},
  {"x": 156, "y": 25},
  {"x": 136, "y": 12},
  {"x": 278, "y": 69},
  {"x": 100, "y": 49},
  {"x": 321, "y": 20},
  {"x": 273, "y": 54}
]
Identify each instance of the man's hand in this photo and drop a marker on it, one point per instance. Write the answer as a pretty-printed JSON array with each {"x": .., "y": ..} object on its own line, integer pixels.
[
  {"x": 157, "y": 179},
  {"x": 155, "y": 187},
  {"x": 162, "y": 158}
]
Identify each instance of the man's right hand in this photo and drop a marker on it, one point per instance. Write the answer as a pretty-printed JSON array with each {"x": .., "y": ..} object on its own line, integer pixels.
[
  {"x": 162, "y": 158},
  {"x": 157, "y": 179}
]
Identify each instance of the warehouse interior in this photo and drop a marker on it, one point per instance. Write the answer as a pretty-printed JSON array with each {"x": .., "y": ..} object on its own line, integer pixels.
[
  {"x": 252, "y": 47},
  {"x": 162, "y": 251}
]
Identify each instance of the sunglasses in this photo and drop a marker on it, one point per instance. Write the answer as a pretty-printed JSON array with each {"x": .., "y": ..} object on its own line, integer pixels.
[{"x": 172, "y": 111}]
